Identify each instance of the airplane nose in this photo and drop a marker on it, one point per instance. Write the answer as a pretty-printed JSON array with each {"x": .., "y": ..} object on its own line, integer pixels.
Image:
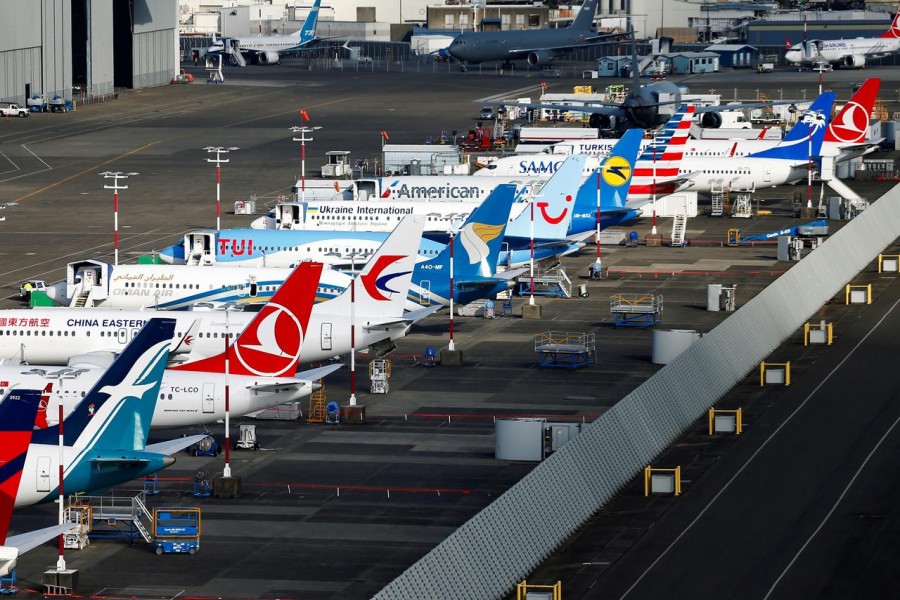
[{"x": 173, "y": 255}]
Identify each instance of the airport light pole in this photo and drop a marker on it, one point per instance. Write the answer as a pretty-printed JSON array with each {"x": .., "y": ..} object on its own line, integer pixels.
[
  {"x": 303, "y": 131},
  {"x": 531, "y": 256},
  {"x": 219, "y": 150},
  {"x": 116, "y": 176},
  {"x": 450, "y": 346},
  {"x": 61, "y": 561},
  {"x": 226, "y": 472}
]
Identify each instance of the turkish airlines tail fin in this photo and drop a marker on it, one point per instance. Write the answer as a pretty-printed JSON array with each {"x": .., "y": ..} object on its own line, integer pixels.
[
  {"x": 17, "y": 413},
  {"x": 894, "y": 30},
  {"x": 851, "y": 124},
  {"x": 270, "y": 344}
]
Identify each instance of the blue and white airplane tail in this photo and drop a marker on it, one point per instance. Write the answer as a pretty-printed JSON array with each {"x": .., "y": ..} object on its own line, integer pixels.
[
  {"x": 116, "y": 413},
  {"x": 308, "y": 32},
  {"x": 476, "y": 249},
  {"x": 811, "y": 126},
  {"x": 613, "y": 178},
  {"x": 552, "y": 206}
]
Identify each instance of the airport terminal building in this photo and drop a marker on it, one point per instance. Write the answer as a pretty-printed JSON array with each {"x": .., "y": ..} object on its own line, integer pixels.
[{"x": 50, "y": 47}]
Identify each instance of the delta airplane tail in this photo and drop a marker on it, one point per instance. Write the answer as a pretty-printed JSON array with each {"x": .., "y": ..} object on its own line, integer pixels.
[
  {"x": 17, "y": 415},
  {"x": 552, "y": 206},
  {"x": 894, "y": 31},
  {"x": 806, "y": 136},
  {"x": 851, "y": 124},
  {"x": 270, "y": 344},
  {"x": 116, "y": 413}
]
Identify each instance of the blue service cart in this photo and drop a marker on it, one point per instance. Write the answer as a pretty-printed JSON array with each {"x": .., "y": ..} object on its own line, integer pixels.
[{"x": 176, "y": 530}]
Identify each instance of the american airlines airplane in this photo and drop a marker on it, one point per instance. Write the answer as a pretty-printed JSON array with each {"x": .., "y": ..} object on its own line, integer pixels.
[
  {"x": 264, "y": 50},
  {"x": 78, "y": 337},
  {"x": 847, "y": 53}
]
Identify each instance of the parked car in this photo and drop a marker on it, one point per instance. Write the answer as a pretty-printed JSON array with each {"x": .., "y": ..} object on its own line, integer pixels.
[
  {"x": 11, "y": 109},
  {"x": 486, "y": 113}
]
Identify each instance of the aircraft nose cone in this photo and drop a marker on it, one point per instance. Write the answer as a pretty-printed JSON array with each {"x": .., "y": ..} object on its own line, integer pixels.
[
  {"x": 57, "y": 293},
  {"x": 173, "y": 255}
]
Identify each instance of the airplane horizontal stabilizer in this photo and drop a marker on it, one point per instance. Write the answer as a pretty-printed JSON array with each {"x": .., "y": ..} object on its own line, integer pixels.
[
  {"x": 24, "y": 542},
  {"x": 177, "y": 445}
]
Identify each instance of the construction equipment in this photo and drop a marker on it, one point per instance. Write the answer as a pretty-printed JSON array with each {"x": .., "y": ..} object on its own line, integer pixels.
[
  {"x": 176, "y": 530},
  {"x": 247, "y": 438}
]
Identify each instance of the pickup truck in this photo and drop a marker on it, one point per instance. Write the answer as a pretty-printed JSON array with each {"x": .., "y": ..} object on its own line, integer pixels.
[{"x": 10, "y": 109}]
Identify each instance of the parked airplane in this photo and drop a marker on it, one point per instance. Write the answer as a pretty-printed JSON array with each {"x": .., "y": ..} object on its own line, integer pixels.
[
  {"x": 847, "y": 53},
  {"x": 105, "y": 438},
  {"x": 537, "y": 46},
  {"x": 17, "y": 419},
  {"x": 787, "y": 162},
  {"x": 264, "y": 50}
]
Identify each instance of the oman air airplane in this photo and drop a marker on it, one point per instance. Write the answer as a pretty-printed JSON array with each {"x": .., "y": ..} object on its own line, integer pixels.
[
  {"x": 262, "y": 373},
  {"x": 847, "y": 53},
  {"x": 90, "y": 338},
  {"x": 264, "y": 50},
  {"x": 105, "y": 435}
]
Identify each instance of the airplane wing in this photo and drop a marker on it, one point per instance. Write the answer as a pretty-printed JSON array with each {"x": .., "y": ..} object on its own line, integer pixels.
[
  {"x": 302, "y": 379},
  {"x": 408, "y": 319},
  {"x": 482, "y": 282},
  {"x": 319, "y": 372},
  {"x": 176, "y": 445},
  {"x": 24, "y": 542}
]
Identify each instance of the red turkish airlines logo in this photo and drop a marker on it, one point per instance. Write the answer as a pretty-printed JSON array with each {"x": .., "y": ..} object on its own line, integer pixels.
[
  {"x": 554, "y": 220},
  {"x": 273, "y": 348},
  {"x": 852, "y": 124},
  {"x": 895, "y": 27}
]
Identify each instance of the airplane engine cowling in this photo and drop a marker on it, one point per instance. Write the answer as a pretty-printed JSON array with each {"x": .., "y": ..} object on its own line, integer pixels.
[
  {"x": 539, "y": 57},
  {"x": 711, "y": 120},
  {"x": 268, "y": 58},
  {"x": 856, "y": 61},
  {"x": 599, "y": 121}
]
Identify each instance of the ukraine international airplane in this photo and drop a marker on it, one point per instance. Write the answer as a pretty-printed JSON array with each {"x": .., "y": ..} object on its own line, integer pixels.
[
  {"x": 847, "y": 53},
  {"x": 264, "y": 50}
]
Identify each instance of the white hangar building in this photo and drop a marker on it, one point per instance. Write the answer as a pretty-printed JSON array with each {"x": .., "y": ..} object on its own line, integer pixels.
[{"x": 50, "y": 46}]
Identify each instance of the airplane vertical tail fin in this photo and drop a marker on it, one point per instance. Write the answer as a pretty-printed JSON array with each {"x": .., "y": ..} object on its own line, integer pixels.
[
  {"x": 476, "y": 247},
  {"x": 617, "y": 171},
  {"x": 17, "y": 414},
  {"x": 806, "y": 135},
  {"x": 657, "y": 167},
  {"x": 851, "y": 124},
  {"x": 270, "y": 344},
  {"x": 552, "y": 205},
  {"x": 308, "y": 32},
  {"x": 894, "y": 31},
  {"x": 382, "y": 286},
  {"x": 116, "y": 412},
  {"x": 585, "y": 18}
]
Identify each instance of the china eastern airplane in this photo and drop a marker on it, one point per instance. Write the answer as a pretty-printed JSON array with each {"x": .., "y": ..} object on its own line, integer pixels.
[
  {"x": 263, "y": 368},
  {"x": 17, "y": 418},
  {"x": 264, "y": 50},
  {"x": 846, "y": 53},
  {"x": 105, "y": 435},
  {"x": 787, "y": 162},
  {"x": 78, "y": 337}
]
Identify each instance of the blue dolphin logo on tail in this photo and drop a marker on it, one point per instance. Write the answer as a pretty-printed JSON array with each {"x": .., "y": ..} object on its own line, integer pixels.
[{"x": 811, "y": 125}]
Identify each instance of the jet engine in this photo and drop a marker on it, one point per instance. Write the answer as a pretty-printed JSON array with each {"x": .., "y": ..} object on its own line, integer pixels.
[
  {"x": 539, "y": 57},
  {"x": 711, "y": 120},
  {"x": 268, "y": 58},
  {"x": 856, "y": 61},
  {"x": 599, "y": 121}
]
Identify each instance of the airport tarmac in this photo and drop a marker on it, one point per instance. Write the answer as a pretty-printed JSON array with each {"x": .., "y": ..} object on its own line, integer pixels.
[{"x": 337, "y": 511}]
